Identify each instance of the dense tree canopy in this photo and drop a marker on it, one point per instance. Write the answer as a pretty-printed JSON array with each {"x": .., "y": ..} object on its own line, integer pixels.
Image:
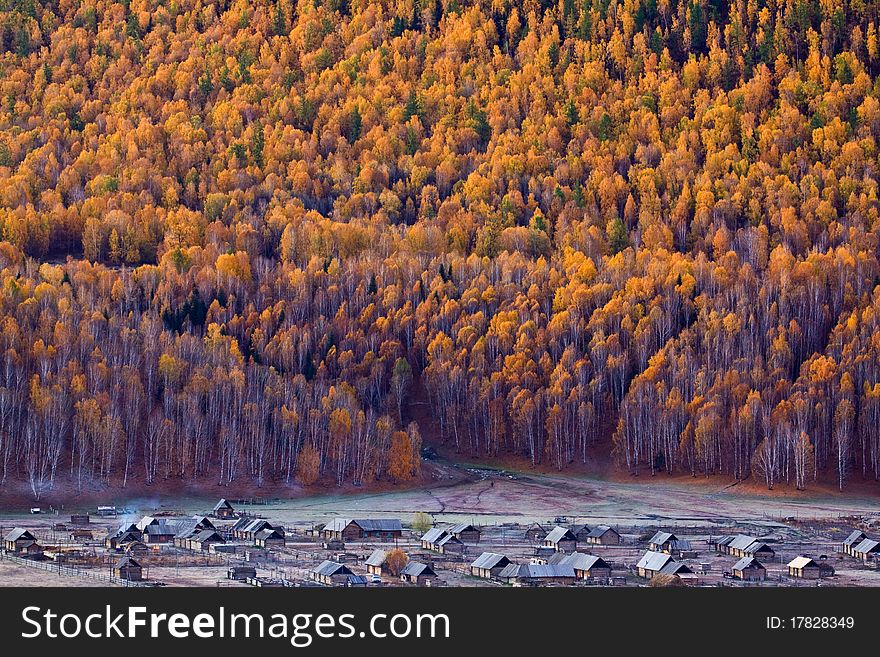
[{"x": 238, "y": 235}]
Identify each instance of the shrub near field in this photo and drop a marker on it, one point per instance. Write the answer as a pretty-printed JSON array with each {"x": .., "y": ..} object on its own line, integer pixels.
[{"x": 262, "y": 224}]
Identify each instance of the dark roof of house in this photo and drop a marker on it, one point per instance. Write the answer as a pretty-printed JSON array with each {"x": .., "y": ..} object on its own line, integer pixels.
[
  {"x": 489, "y": 560},
  {"x": 462, "y": 527},
  {"x": 329, "y": 568},
  {"x": 162, "y": 529},
  {"x": 724, "y": 540},
  {"x": 653, "y": 560},
  {"x": 127, "y": 537},
  {"x": 867, "y": 546},
  {"x": 856, "y": 537},
  {"x": 581, "y": 561},
  {"x": 222, "y": 504},
  {"x": 537, "y": 571},
  {"x": 356, "y": 580},
  {"x": 662, "y": 537},
  {"x": 747, "y": 562},
  {"x": 253, "y": 526},
  {"x": 600, "y": 531},
  {"x": 376, "y": 558},
  {"x": 678, "y": 544},
  {"x": 449, "y": 538},
  {"x": 205, "y": 535},
  {"x": 434, "y": 534},
  {"x": 757, "y": 547},
  {"x": 19, "y": 533},
  {"x": 263, "y": 534},
  {"x": 416, "y": 569},
  {"x": 366, "y": 524},
  {"x": 676, "y": 568},
  {"x": 557, "y": 557},
  {"x": 559, "y": 534},
  {"x": 127, "y": 562},
  {"x": 124, "y": 528},
  {"x": 380, "y": 525},
  {"x": 741, "y": 542}
]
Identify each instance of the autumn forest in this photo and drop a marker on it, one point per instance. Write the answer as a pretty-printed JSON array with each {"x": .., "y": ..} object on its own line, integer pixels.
[{"x": 240, "y": 237}]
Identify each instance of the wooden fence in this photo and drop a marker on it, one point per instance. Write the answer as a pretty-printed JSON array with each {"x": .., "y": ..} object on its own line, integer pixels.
[{"x": 70, "y": 571}]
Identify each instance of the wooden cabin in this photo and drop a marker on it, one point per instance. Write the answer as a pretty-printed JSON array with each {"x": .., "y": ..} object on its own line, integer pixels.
[
  {"x": 807, "y": 568},
  {"x": 588, "y": 566},
  {"x": 489, "y": 565},
  {"x": 535, "y": 533},
  {"x": 331, "y": 573},
  {"x": 377, "y": 563},
  {"x": 561, "y": 539},
  {"x": 128, "y": 569},
  {"x": 603, "y": 535},
  {"x": 852, "y": 540},
  {"x": 465, "y": 533},
  {"x": 418, "y": 573},
  {"x": 749, "y": 569},
  {"x": 345, "y": 529},
  {"x": 223, "y": 510},
  {"x": 19, "y": 541},
  {"x": 533, "y": 574}
]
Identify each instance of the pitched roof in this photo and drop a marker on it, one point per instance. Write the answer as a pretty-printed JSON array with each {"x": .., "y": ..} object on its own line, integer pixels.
[
  {"x": 560, "y": 533},
  {"x": 724, "y": 540},
  {"x": 581, "y": 561},
  {"x": 653, "y": 560},
  {"x": 127, "y": 562},
  {"x": 676, "y": 568},
  {"x": 807, "y": 562},
  {"x": 537, "y": 571},
  {"x": 558, "y": 557},
  {"x": 662, "y": 537},
  {"x": 328, "y": 568},
  {"x": 461, "y": 527},
  {"x": 416, "y": 569},
  {"x": 222, "y": 504},
  {"x": 376, "y": 558},
  {"x": 434, "y": 534},
  {"x": 449, "y": 538},
  {"x": 741, "y": 542},
  {"x": 488, "y": 560},
  {"x": 599, "y": 531},
  {"x": 267, "y": 533},
  {"x": 253, "y": 526},
  {"x": 380, "y": 524},
  {"x": 678, "y": 544},
  {"x": 802, "y": 562},
  {"x": 747, "y": 562},
  {"x": 757, "y": 547},
  {"x": 366, "y": 524},
  {"x": 124, "y": 528},
  {"x": 855, "y": 537},
  {"x": 867, "y": 546},
  {"x": 19, "y": 533},
  {"x": 205, "y": 535}
]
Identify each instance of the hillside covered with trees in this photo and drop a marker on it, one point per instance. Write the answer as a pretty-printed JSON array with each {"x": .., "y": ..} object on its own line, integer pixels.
[{"x": 237, "y": 235}]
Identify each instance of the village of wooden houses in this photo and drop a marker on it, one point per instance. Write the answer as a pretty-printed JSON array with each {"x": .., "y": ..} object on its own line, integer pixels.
[{"x": 236, "y": 545}]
